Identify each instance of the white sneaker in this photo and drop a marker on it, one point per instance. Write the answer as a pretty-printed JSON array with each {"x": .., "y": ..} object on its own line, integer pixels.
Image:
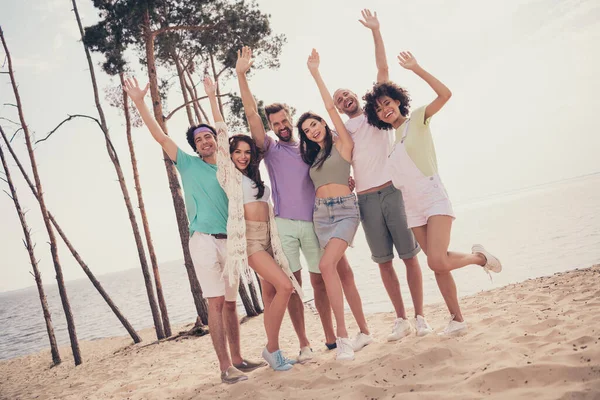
[
  {"x": 423, "y": 327},
  {"x": 305, "y": 355},
  {"x": 454, "y": 328},
  {"x": 344, "y": 349},
  {"x": 402, "y": 328},
  {"x": 361, "y": 340},
  {"x": 492, "y": 263}
]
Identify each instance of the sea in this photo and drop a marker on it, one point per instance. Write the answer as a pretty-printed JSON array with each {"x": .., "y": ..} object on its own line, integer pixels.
[{"x": 536, "y": 231}]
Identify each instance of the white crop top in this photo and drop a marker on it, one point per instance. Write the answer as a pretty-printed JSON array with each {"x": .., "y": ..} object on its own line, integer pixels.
[{"x": 250, "y": 191}]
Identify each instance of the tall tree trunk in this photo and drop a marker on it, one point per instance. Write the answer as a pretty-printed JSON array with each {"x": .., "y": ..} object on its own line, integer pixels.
[
  {"x": 158, "y": 326},
  {"x": 182, "y": 221},
  {"x": 193, "y": 93},
  {"x": 184, "y": 91},
  {"x": 136, "y": 338},
  {"x": 38, "y": 183},
  {"x": 138, "y": 188},
  {"x": 254, "y": 297},
  {"x": 247, "y": 301},
  {"x": 216, "y": 79},
  {"x": 34, "y": 264}
]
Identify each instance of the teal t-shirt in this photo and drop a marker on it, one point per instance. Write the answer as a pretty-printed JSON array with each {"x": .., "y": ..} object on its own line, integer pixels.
[{"x": 205, "y": 201}]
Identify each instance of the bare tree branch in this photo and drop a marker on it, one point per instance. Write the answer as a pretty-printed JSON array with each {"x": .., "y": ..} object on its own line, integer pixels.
[
  {"x": 10, "y": 120},
  {"x": 220, "y": 72},
  {"x": 81, "y": 116},
  {"x": 10, "y": 104},
  {"x": 15, "y": 134},
  {"x": 190, "y": 102}
]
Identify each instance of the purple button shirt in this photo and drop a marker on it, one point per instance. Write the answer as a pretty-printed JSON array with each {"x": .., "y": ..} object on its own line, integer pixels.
[{"x": 293, "y": 190}]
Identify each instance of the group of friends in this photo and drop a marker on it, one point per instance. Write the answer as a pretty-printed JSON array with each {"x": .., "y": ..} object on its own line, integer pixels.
[{"x": 400, "y": 201}]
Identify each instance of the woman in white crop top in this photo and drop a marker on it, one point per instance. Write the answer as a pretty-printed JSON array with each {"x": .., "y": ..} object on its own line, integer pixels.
[{"x": 252, "y": 236}]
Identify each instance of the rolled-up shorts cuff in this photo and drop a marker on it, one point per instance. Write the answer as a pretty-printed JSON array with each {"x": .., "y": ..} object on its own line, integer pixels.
[
  {"x": 381, "y": 260},
  {"x": 410, "y": 254}
]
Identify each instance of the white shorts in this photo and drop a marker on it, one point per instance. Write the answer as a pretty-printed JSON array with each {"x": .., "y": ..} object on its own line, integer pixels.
[
  {"x": 426, "y": 199},
  {"x": 209, "y": 255}
]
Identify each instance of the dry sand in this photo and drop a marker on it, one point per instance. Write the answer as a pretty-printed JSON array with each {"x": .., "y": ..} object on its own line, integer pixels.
[{"x": 536, "y": 339}]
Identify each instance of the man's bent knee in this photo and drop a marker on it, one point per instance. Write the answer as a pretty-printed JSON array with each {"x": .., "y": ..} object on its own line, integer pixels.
[{"x": 216, "y": 303}]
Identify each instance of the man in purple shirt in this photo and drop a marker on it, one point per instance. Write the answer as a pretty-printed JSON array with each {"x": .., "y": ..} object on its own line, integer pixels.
[{"x": 294, "y": 199}]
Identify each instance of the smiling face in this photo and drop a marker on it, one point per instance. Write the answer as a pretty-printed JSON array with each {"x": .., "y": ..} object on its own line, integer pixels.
[
  {"x": 315, "y": 131},
  {"x": 242, "y": 155},
  {"x": 346, "y": 102},
  {"x": 281, "y": 123},
  {"x": 206, "y": 145},
  {"x": 388, "y": 109}
]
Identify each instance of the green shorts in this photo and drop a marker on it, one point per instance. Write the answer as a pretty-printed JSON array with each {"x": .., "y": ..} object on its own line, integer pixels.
[{"x": 299, "y": 235}]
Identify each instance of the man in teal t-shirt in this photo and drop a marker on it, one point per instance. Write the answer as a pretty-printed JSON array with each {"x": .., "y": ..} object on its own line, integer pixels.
[{"x": 206, "y": 206}]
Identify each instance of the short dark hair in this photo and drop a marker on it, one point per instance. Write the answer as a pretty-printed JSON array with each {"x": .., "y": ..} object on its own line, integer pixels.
[
  {"x": 275, "y": 108},
  {"x": 381, "y": 89},
  {"x": 190, "y": 134}
]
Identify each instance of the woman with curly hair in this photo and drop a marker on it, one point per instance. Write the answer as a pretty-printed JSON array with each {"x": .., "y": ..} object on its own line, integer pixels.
[
  {"x": 335, "y": 215},
  {"x": 413, "y": 166},
  {"x": 252, "y": 236}
]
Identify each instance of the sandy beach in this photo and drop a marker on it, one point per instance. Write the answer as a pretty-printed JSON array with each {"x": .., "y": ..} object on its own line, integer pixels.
[{"x": 536, "y": 339}]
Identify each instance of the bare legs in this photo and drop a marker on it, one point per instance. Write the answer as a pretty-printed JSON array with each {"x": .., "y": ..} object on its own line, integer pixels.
[{"x": 434, "y": 239}]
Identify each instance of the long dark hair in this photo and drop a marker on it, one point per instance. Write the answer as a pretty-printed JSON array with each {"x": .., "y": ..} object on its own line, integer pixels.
[
  {"x": 309, "y": 150},
  {"x": 252, "y": 171}
]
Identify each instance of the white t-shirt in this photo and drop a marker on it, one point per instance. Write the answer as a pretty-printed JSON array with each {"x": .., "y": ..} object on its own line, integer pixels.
[{"x": 369, "y": 157}]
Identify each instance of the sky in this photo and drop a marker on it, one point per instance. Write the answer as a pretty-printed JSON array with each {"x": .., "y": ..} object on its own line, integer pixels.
[{"x": 523, "y": 76}]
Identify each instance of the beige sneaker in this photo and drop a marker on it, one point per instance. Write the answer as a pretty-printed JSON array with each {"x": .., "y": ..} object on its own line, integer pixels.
[
  {"x": 233, "y": 375},
  {"x": 492, "y": 262},
  {"x": 454, "y": 328},
  {"x": 306, "y": 354},
  {"x": 402, "y": 328}
]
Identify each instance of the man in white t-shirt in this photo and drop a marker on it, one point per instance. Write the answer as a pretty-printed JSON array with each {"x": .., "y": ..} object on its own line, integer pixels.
[{"x": 381, "y": 206}]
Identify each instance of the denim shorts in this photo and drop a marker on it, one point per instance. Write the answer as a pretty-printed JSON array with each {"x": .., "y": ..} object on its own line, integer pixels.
[{"x": 336, "y": 217}]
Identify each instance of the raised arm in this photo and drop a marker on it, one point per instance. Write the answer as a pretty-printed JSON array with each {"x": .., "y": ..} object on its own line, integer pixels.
[
  {"x": 137, "y": 96},
  {"x": 370, "y": 21},
  {"x": 211, "y": 91},
  {"x": 257, "y": 129},
  {"x": 224, "y": 164},
  {"x": 408, "y": 61},
  {"x": 347, "y": 144}
]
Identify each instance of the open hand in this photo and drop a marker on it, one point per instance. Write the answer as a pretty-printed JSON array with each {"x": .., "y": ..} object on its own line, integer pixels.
[
  {"x": 407, "y": 60},
  {"x": 313, "y": 61},
  {"x": 244, "y": 60},
  {"x": 209, "y": 87},
  {"x": 132, "y": 88},
  {"x": 370, "y": 20}
]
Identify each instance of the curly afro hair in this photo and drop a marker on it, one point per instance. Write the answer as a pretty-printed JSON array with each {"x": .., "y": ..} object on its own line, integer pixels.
[{"x": 381, "y": 89}]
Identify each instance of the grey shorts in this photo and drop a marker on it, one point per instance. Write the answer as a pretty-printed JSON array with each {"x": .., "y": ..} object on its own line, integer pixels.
[
  {"x": 336, "y": 217},
  {"x": 384, "y": 221}
]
